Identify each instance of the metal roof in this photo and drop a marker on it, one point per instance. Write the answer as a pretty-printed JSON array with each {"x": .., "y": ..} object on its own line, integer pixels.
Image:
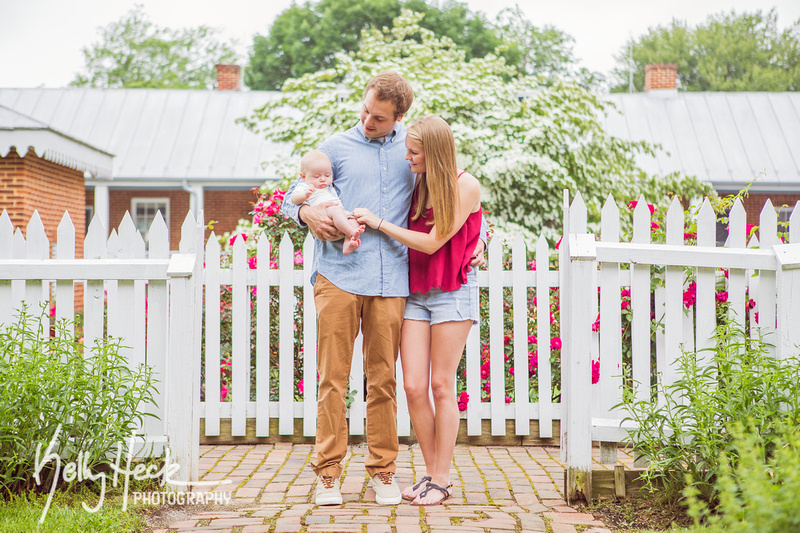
[
  {"x": 157, "y": 134},
  {"x": 23, "y": 133},
  {"x": 724, "y": 138},
  {"x": 166, "y": 135}
]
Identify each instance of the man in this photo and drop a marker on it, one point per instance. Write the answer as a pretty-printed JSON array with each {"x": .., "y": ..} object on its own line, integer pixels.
[{"x": 365, "y": 289}]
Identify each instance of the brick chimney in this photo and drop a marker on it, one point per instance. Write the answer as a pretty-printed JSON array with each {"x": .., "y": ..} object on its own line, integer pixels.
[
  {"x": 660, "y": 76},
  {"x": 229, "y": 77}
]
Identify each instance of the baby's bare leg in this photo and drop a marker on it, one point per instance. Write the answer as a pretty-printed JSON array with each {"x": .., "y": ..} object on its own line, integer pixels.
[{"x": 348, "y": 226}]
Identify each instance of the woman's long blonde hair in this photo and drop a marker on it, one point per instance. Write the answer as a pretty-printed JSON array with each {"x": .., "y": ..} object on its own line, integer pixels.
[{"x": 440, "y": 180}]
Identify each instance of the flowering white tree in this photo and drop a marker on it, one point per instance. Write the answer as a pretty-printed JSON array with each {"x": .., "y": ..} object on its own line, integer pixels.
[{"x": 523, "y": 140}]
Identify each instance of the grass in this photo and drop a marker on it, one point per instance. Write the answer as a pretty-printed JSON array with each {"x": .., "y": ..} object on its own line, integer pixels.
[{"x": 22, "y": 512}]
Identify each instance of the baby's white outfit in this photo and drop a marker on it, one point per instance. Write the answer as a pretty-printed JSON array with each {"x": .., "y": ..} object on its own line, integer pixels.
[{"x": 328, "y": 194}]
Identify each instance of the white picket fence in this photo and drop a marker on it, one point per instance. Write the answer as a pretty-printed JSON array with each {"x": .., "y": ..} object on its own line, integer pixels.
[
  {"x": 162, "y": 296},
  {"x": 127, "y": 295},
  {"x": 767, "y": 272},
  {"x": 241, "y": 280}
]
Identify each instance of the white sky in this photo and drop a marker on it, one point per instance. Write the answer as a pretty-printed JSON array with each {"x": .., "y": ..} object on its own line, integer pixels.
[{"x": 41, "y": 40}]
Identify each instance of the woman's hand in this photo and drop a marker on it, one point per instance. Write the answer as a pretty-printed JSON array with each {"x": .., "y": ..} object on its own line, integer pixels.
[{"x": 365, "y": 216}]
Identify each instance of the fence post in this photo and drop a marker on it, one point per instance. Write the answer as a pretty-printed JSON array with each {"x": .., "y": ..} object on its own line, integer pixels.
[
  {"x": 577, "y": 400},
  {"x": 788, "y": 284},
  {"x": 183, "y": 371}
]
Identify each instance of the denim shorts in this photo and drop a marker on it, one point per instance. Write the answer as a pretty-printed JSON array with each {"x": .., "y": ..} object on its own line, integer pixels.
[{"x": 437, "y": 306}]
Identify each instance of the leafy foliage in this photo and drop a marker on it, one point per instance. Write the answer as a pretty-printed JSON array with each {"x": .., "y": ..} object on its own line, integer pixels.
[
  {"x": 688, "y": 433},
  {"x": 135, "y": 53},
  {"x": 524, "y": 141},
  {"x": 729, "y": 52},
  {"x": 50, "y": 378},
  {"x": 304, "y": 38}
]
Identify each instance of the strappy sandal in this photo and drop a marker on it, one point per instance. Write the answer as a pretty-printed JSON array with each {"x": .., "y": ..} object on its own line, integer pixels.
[
  {"x": 428, "y": 488},
  {"x": 415, "y": 487}
]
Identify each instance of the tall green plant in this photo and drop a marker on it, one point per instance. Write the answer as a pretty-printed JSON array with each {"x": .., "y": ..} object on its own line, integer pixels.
[
  {"x": 50, "y": 379},
  {"x": 687, "y": 432}
]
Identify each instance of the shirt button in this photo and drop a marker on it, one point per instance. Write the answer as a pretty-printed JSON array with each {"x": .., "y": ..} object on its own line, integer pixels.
[{"x": 384, "y": 188}]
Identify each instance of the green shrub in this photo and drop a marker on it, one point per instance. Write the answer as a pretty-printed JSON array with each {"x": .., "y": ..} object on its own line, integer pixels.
[
  {"x": 686, "y": 433},
  {"x": 758, "y": 485},
  {"x": 49, "y": 379}
]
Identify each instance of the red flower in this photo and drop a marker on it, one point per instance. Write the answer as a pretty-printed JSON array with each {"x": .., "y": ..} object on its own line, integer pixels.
[
  {"x": 625, "y": 293},
  {"x": 756, "y": 317},
  {"x": 223, "y": 392},
  {"x": 595, "y": 371},
  {"x": 233, "y": 239},
  {"x": 654, "y": 226},
  {"x": 300, "y": 387},
  {"x": 508, "y": 399},
  {"x": 750, "y": 228},
  {"x": 463, "y": 400},
  {"x": 751, "y": 303},
  {"x": 252, "y": 261},
  {"x": 596, "y": 325},
  {"x": 531, "y": 339},
  {"x": 722, "y": 296},
  {"x": 690, "y": 235},
  {"x": 625, "y": 305},
  {"x": 690, "y": 295},
  {"x": 555, "y": 343},
  {"x": 632, "y": 204}
]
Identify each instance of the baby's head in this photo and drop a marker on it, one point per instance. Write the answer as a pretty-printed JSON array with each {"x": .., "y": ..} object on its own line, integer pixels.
[{"x": 315, "y": 169}]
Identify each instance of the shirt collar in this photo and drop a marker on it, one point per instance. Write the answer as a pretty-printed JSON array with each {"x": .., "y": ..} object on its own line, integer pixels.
[{"x": 382, "y": 140}]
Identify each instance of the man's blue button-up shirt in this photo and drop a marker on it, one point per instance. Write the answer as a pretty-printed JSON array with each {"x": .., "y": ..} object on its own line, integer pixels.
[{"x": 369, "y": 173}]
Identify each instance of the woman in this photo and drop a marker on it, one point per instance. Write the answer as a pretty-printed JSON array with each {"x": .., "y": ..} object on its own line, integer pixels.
[{"x": 444, "y": 227}]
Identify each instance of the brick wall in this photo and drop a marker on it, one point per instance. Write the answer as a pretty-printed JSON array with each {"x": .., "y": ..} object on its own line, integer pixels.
[
  {"x": 227, "y": 207},
  {"x": 33, "y": 184}
]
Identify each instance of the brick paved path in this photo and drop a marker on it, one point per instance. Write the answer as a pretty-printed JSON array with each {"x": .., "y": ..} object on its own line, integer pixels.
[{"x": 496, "y": 489}]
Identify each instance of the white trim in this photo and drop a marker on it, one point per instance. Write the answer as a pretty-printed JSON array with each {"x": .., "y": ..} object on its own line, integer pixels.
[{"x": 57, "y": 148}]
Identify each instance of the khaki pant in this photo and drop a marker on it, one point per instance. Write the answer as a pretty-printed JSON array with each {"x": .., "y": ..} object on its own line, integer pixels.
[{"x": 339, "y": 314}]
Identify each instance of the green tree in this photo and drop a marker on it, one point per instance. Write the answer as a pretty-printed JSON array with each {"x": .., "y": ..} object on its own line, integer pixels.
[
  {"x": 729, "y": 52},
  {"x": 305, "y": 37},
  {"x": 134, "y": 52},
  {"x": 525, "y": 142},
  {"x": 546, "y": 52}
]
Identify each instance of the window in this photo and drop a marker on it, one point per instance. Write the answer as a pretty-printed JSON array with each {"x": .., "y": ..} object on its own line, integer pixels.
[
  {"x": 144, "y": 212},
  {"x": 784, "y": 213}
]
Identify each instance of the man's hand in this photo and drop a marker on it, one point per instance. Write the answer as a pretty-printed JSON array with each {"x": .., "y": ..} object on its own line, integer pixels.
[
  {"x": 318, "y": 221},
  {"x": 478, "y": 259}
]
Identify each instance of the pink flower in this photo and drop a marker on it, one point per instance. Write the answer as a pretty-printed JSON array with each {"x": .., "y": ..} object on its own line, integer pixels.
[
  {"x": 257, "y": 218},
  {"x": 559, "y": 242},
  {"x": 53, "y": 310},
  {"x": 690, "y": 235},
  {"x": 632, "y": 204},
  {"x": 756, "y": 317},
  {"x": 555, "y": 343},
  {"x": 252, "y": 261},
  {"x": 506, "y": 340},
  {"x": 751, "y": 303},
  {"x": 511, "y": 370},
  {"x": 233, "y": 239},
  {"x": 300, "y": 387},
  {"x": 463, "y": 400},
  {"x": 625, "y": 305},
  {"x": 750, "y": 228},
  {"x": 273, "y": 265},
  {"x": 533, "y": 363},
  {"x": 298, "y": 257},
  {"x": 654, "y": 226},
  {"x": 595, "y": 371},
  {"x": 508, "y": 399},
  {"x": 625, "y": 293},
  {"x": 596, "y": 325},
  {"x": 652, "y": 208},
  {"x": 690, "y": 295},
  {"x": 485, "y": 370},
  {"x": 532, "y": 265},
  {"x": 722, "y": 296},
  {"x": 531, "y": 339},
  {"x": 223, "y": 392}
]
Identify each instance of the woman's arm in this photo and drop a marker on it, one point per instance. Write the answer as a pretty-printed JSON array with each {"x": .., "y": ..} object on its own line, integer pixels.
[{"x": 470, "y": 195}]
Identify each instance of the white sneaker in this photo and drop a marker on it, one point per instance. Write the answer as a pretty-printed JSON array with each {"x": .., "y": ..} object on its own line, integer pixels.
[
  {"x": 328, "y": 492},
  {"x": 386, "y": 490}
]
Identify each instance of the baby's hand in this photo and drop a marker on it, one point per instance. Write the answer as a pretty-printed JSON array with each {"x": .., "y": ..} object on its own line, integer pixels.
[{"x": 310, "y": 191}]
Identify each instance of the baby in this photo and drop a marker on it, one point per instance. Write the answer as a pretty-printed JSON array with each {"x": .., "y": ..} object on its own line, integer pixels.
[{"x": 317, "y": 175}]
